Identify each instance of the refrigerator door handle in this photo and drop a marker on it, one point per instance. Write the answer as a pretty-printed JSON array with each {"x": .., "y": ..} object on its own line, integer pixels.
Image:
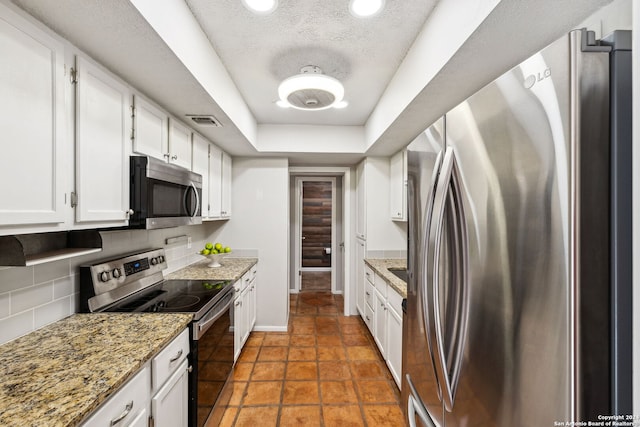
[
  {"x": 448, "y": 194},
  {"x": 422, "y": 287}
]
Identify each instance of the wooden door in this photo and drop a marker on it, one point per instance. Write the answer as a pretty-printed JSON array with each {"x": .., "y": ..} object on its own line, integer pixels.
[{"x": 317, "y": 208}]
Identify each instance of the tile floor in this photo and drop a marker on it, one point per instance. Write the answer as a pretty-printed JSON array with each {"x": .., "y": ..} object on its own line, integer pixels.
[{"x": 325, "y": 371}]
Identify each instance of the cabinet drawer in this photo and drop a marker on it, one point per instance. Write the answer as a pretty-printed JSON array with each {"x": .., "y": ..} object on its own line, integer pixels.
[
  {"x": 166, "y": 362},
  {"x": 124, "y": 406},
  {"x": 368, "y": 293},
  {"x": 368, "y": 317},
  {"x": 381, "y": 285},
  {"x": 369, "y": 274},
  {"x": 395, "y": 300}
]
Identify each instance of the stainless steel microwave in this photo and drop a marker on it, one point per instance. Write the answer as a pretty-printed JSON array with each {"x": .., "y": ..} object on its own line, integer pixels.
[{"x": 163, "y": 195}]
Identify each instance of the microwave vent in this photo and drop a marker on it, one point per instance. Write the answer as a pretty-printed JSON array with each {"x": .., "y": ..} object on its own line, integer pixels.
[{"x": 205, "y": 120}]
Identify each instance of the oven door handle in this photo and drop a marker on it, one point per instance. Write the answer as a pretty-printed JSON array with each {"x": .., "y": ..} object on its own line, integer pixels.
[{"x": 201, "y": 327}]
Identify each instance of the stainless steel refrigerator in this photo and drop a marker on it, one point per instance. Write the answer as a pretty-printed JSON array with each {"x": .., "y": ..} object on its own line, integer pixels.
[{"x": 517, "y": 311}]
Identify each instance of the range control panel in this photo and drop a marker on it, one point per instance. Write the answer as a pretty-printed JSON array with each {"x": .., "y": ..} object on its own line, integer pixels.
[{"x": 109, "y": 275}]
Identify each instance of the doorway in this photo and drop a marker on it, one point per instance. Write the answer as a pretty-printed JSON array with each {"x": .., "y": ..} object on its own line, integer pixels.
[{"x": 315, "y": 236}]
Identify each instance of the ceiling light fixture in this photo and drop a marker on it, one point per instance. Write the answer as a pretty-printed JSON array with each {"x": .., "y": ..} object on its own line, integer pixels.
[
  {"x": 310, "y": 90},
  {"x": 365, "y": 8},
  {"x": 263, "y": 7}
]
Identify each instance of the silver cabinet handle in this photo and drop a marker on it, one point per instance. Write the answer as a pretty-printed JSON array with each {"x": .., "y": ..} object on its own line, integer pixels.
[
  {"x": 368, "y": 293},
  {"x": 174, "y": 157},
  {"x": 123, "y": 415},
  {"x": 177, "y": 357},
  {"x": 367, "y": 317}
]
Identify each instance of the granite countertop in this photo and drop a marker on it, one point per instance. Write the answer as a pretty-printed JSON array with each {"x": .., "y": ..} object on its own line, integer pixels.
[
  {"x": 57, "y": 375},
  {"x": 381, "y": 266},
  {"x": 232, "y": 269}
]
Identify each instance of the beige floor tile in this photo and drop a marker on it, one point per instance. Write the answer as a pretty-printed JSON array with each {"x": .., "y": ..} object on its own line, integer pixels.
[
  {"x": 343, "y": 416},
  {"x": 257, "y": 416},
  {"x": 262, "y": 393},
  {"x": 300, "y": 392},
  {"x": 302, "y": 371},
  {"x": 384, "y": 415},
  {"x": 307, "y": 416}
]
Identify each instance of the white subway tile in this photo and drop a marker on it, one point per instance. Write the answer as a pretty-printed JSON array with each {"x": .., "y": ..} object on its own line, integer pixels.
[
  {"x": 16, "y": 326},
  {"x": 15, "y": 278},
  {"x": 54, "y": 311},
  {"x": 63, "y": 287},
  {"x": 31, "y": 297},
  {"x": 5, "y": 305},
  {"x": 50, "y": 271}
]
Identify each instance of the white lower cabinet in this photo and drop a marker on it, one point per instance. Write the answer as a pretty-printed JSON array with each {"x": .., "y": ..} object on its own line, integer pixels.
[
  {"x": 382, "y": 308},
  {"x": 157, "y": 395},
  {"x": 394, "y": 344},
  {"x": 126, "y": 405},
  {"x": 380, "y": 322},
  {"x": 169, "y": 406},
  {"x": 244, "y": 309}
]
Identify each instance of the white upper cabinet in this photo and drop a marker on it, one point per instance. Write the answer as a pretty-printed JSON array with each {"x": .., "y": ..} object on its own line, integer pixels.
[
  {"x": 215, "y": 182},
  {"x": 151, "y": 127},
  {"x": 157, "y": 135},
  {"x": 179, "y": 144},
  {"x": 227, "y": 165},
  {"x": 103, "y": 126},
  {"x": 32, "y": 165},
  {"x": 398, "y": 186},
  {"x": 200, "y": 163}
]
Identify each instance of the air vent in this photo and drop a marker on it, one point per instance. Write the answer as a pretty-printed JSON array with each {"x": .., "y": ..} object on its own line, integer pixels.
[{"x": 205, "y": 120}]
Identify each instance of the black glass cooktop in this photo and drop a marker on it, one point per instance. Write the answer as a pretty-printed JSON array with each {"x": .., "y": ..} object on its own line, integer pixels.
[{"x": 176, "y": 296}]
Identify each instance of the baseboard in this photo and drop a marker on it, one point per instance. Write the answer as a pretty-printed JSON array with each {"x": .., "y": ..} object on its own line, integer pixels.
[
  {"x": 270, "y": 328},
  {"x": 294, "y": 291}
]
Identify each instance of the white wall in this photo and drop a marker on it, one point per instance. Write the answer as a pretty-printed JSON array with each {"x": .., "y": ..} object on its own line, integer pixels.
[
  {"x": 32, "y": 297},
  {"x": 260, "y": 220},
  {"x": 310, "y": 139}
]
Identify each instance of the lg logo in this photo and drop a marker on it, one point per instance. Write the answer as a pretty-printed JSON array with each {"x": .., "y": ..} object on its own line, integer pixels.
[{"x": 535, "y": 78}]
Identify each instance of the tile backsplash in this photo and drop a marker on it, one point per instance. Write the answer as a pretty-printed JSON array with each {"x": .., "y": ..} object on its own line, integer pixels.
[{"x": 31, "y": 297}]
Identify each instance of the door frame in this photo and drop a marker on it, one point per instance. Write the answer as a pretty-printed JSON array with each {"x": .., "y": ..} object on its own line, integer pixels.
[
  {"x": 299, "y": 180},
  {"x": 348, "y": 287}
]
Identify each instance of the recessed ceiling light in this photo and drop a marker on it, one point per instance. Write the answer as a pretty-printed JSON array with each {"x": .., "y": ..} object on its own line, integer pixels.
[
  {"x": 365, "y": 8},
  {"x": 262, "y": 7}
]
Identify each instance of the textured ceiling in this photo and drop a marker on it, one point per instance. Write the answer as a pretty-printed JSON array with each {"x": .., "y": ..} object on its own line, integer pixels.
[{"x": 260, "y": 51}]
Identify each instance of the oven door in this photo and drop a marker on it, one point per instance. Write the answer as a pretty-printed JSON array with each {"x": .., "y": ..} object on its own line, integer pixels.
[
  {"x": 163, "y": 195},
  {"x": 212, "y": 362}
]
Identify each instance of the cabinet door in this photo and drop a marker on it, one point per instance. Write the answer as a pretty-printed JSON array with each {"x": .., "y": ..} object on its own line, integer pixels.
[
  {"x": 253, "y": 305},
  {"x": 150, "y": 129},
  {"x": 394, "y": 344},
  {"x": 360, "y": 201},
  {"x": 179, "y": 144},
  {"x": 32, "y": 123},
  {"x": 360, "y": 276},
  {"x": 142, "y": 420},
  {"x": 380, "y": 322},
  {"x": 238, "y": 326},
  {"x": 246, "y": 313},
  {"x": 398, "y": 186},
  {"x": 215, "y": 181},
  {"x": 227, "y": 165},
  {"x": 169, "y": 407},
  {"x": 103, "y": 126},
  {"x": 200, "y": 163}
]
